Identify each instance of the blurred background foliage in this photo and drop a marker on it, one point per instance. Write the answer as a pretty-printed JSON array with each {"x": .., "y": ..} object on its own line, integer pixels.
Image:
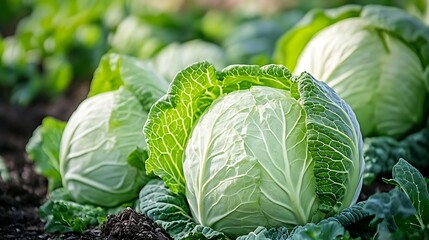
[{"x": 47, "y": 44}]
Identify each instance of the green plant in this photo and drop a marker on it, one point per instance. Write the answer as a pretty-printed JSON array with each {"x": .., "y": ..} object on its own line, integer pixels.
[
  {"x": 252, "y": 146},
  {"x": 103, "y": 147},
  {"x": 374, "y": 57}
]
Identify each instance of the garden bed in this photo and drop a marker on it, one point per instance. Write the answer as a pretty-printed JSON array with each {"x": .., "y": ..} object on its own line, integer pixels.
[{"x": 26, "y": 191}]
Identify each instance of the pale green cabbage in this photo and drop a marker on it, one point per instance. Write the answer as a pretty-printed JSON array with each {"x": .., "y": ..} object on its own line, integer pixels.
[
  {"x": 103, "y": 147},
  {"x": 248, "y": 154},
  {"x": 376, "y": 58},
  {"x": 252, "y": 146},
  {"x": 370, "y": 70},
  {"x": 99, "y": 137}
]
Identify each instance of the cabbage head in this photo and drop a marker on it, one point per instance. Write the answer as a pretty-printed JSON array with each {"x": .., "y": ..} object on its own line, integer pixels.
[
  {"x": 376, "y": 58},
  {"x": 251, "y": 146},
  {"x": 96, "y": 142},
  {"x": 103, "y": 146}
]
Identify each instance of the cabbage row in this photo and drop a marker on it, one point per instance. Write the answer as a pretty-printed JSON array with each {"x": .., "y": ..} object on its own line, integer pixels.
[{"x": 279, "y": 151}]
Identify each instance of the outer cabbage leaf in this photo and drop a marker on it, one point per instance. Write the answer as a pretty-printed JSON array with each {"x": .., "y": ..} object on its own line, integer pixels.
[
  {"x": 407, "y": 27},
  {"x": 117, "y": 70},
  {"x": 330, "y": 228},
  {"x": 291, "y": 44},
  {"x": 68, "y": 216},
  {"x": 334, "y": 142},
  {"x": 388, "y": 207},
  {"x": 412, "y": 182},
  {"x": 350, "y": 215},
  {"x": 170, "y": 211},
  {"x": 61, "y": 214},
  {"x": 44, "y": 147}
]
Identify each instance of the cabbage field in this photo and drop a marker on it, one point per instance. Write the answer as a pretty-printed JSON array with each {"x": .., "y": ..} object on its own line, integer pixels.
[{"x": 216, "y": 120}]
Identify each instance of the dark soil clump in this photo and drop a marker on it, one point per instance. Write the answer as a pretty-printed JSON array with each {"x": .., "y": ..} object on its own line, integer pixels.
[{"x": 130, "y": 225}]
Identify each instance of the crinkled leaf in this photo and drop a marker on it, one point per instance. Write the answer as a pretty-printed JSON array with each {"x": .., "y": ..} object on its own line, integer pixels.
[
  {"x": 138, "y": 77},
  {"x": 355, "y": 220},
  {"x": 335, "y": 144},
  {"x": 43, "y": 148},
  {"x": 382, "y": 153},
  {"x": 380, "y": 156},
  {"x": 386, "y": 207},
  {"x": 61, "y": 214},
  {"x": 351, "y": 215},
  {"x": 331, "y": 228},
  {"x": 171, "y": 212},
  {"x": 67, "y": 216}
]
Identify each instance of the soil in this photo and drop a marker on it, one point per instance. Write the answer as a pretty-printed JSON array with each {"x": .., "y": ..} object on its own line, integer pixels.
[
  {"x": 130, "y": 225},
  {"x": 26, "y": 190}
]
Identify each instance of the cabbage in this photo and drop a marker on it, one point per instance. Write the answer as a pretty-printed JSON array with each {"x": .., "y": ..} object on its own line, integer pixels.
[
  {"x": 252, "y": 146},
  {"x": 103, "y": 146},
  {"x": 374, "y": 57},
  {"x": 95, "y": 145}
]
